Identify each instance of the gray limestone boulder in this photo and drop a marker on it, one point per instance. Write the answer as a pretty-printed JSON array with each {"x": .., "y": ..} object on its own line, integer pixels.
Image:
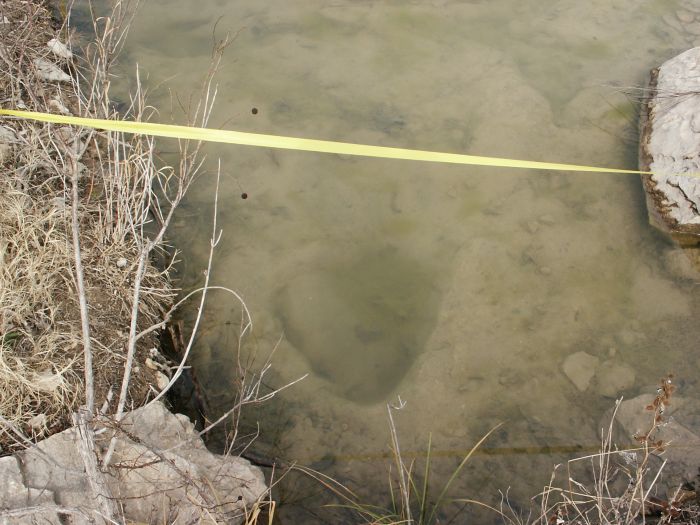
[
  {"x": 670, "y": 147},
  {"x": 681, "y": 444},
  {"x": 161, "y": 472}
]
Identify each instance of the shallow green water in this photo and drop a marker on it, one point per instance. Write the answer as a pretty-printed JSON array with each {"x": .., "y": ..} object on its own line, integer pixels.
[{"x": 463, "y": 290}]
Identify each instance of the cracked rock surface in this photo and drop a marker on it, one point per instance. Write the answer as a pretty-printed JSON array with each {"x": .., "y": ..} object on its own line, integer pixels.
[
  {"x": 160, "y": 472},
  {"x": 670, "y": 147}
]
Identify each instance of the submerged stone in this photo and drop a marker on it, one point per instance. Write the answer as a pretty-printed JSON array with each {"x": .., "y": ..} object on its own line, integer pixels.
[
  {"x": 361, "y": 324},
  {"x": 580, "y": 369},
  {"x": 683, "y": 264},
  {"x": 681, "y": 445}
]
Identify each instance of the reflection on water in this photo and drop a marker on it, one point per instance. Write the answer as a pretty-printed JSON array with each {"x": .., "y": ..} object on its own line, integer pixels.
[{"x": 463, "y": 290}]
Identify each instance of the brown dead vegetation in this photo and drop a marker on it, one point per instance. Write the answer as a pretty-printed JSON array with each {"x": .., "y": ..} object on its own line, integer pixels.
[{"x": 42, "y": 367}]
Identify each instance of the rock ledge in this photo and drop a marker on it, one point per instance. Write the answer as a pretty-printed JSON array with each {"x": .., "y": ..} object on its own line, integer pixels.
[
  {"x": 161, "y": 472},
  {"x": 670, "y": 146}
]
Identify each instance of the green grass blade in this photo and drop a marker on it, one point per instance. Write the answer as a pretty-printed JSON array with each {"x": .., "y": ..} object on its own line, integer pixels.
[
  {"x": 426, "y": 483},
  {"x": 454, "y": 475}
]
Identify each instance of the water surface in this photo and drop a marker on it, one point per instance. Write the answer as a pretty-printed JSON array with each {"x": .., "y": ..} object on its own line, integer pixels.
[{"x": 461, "y": 289}]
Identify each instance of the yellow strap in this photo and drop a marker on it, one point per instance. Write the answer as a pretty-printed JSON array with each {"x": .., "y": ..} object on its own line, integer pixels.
[{"x": 276, "y": 141}]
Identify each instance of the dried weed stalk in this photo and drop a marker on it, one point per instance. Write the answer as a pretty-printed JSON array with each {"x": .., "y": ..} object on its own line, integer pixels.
[
  {"x": 82, "y": 215},
  {"x": 621, "y": 485}
]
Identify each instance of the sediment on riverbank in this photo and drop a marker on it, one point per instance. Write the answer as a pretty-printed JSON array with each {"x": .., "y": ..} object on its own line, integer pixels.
[{"x": 63, "y": 184}]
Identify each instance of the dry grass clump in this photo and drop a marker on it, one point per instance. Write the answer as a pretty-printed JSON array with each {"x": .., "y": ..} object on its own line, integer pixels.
[
  {"x": 611, "y": 487},
  {"x": 42, "y": 367},
  {"x": 621, "y": 487}
]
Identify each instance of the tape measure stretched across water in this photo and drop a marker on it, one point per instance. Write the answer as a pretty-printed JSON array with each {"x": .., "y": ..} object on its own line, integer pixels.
[{"x": 300, "y": 144}]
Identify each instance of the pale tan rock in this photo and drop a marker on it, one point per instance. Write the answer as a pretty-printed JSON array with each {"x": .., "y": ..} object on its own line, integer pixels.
[
  {"x": 49, "y": 71},
  {"x": 38, "y": 423},
  {"x": 154, "y": 487},
  {"x": 59, "y": 106},
  {"x": 162, "y": 380},
  {"x": 59, "y": 49},
  {"x": 580, "y": 369},
  {"x": 48, "y": 380},
  {"x": 13, "y": 493},
  {"x": 7, "y": 135},
  {"x": 6, "y": 151}
]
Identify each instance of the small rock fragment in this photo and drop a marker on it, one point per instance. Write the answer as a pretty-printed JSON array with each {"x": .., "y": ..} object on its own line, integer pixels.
[
  {"x": 57, "y": 105},
  {"x": 7, "y": 135},
  {"x": 5, "y": 153},
  {"x": 122, "y": 262},
  {"x": 161, "y": 380},
  {"x": 38, "y": 422},
  {"x": 580, "y": 369},
  {"x": 47, "y": 380},
  {"x": 49, "y": 71},
  {"x": 150, "y": 363},
  {"x": 59, "y": 49}
]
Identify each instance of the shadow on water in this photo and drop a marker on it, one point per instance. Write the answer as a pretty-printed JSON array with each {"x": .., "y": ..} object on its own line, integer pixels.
[{"x": 361, "y": 322}]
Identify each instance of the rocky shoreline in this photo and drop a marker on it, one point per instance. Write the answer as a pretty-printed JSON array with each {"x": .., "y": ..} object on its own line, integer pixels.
[{"x": 161, "y": 472}]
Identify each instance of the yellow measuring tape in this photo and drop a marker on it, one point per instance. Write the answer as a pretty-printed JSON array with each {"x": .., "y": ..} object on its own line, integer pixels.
[{"x": 299, "y": 144}]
